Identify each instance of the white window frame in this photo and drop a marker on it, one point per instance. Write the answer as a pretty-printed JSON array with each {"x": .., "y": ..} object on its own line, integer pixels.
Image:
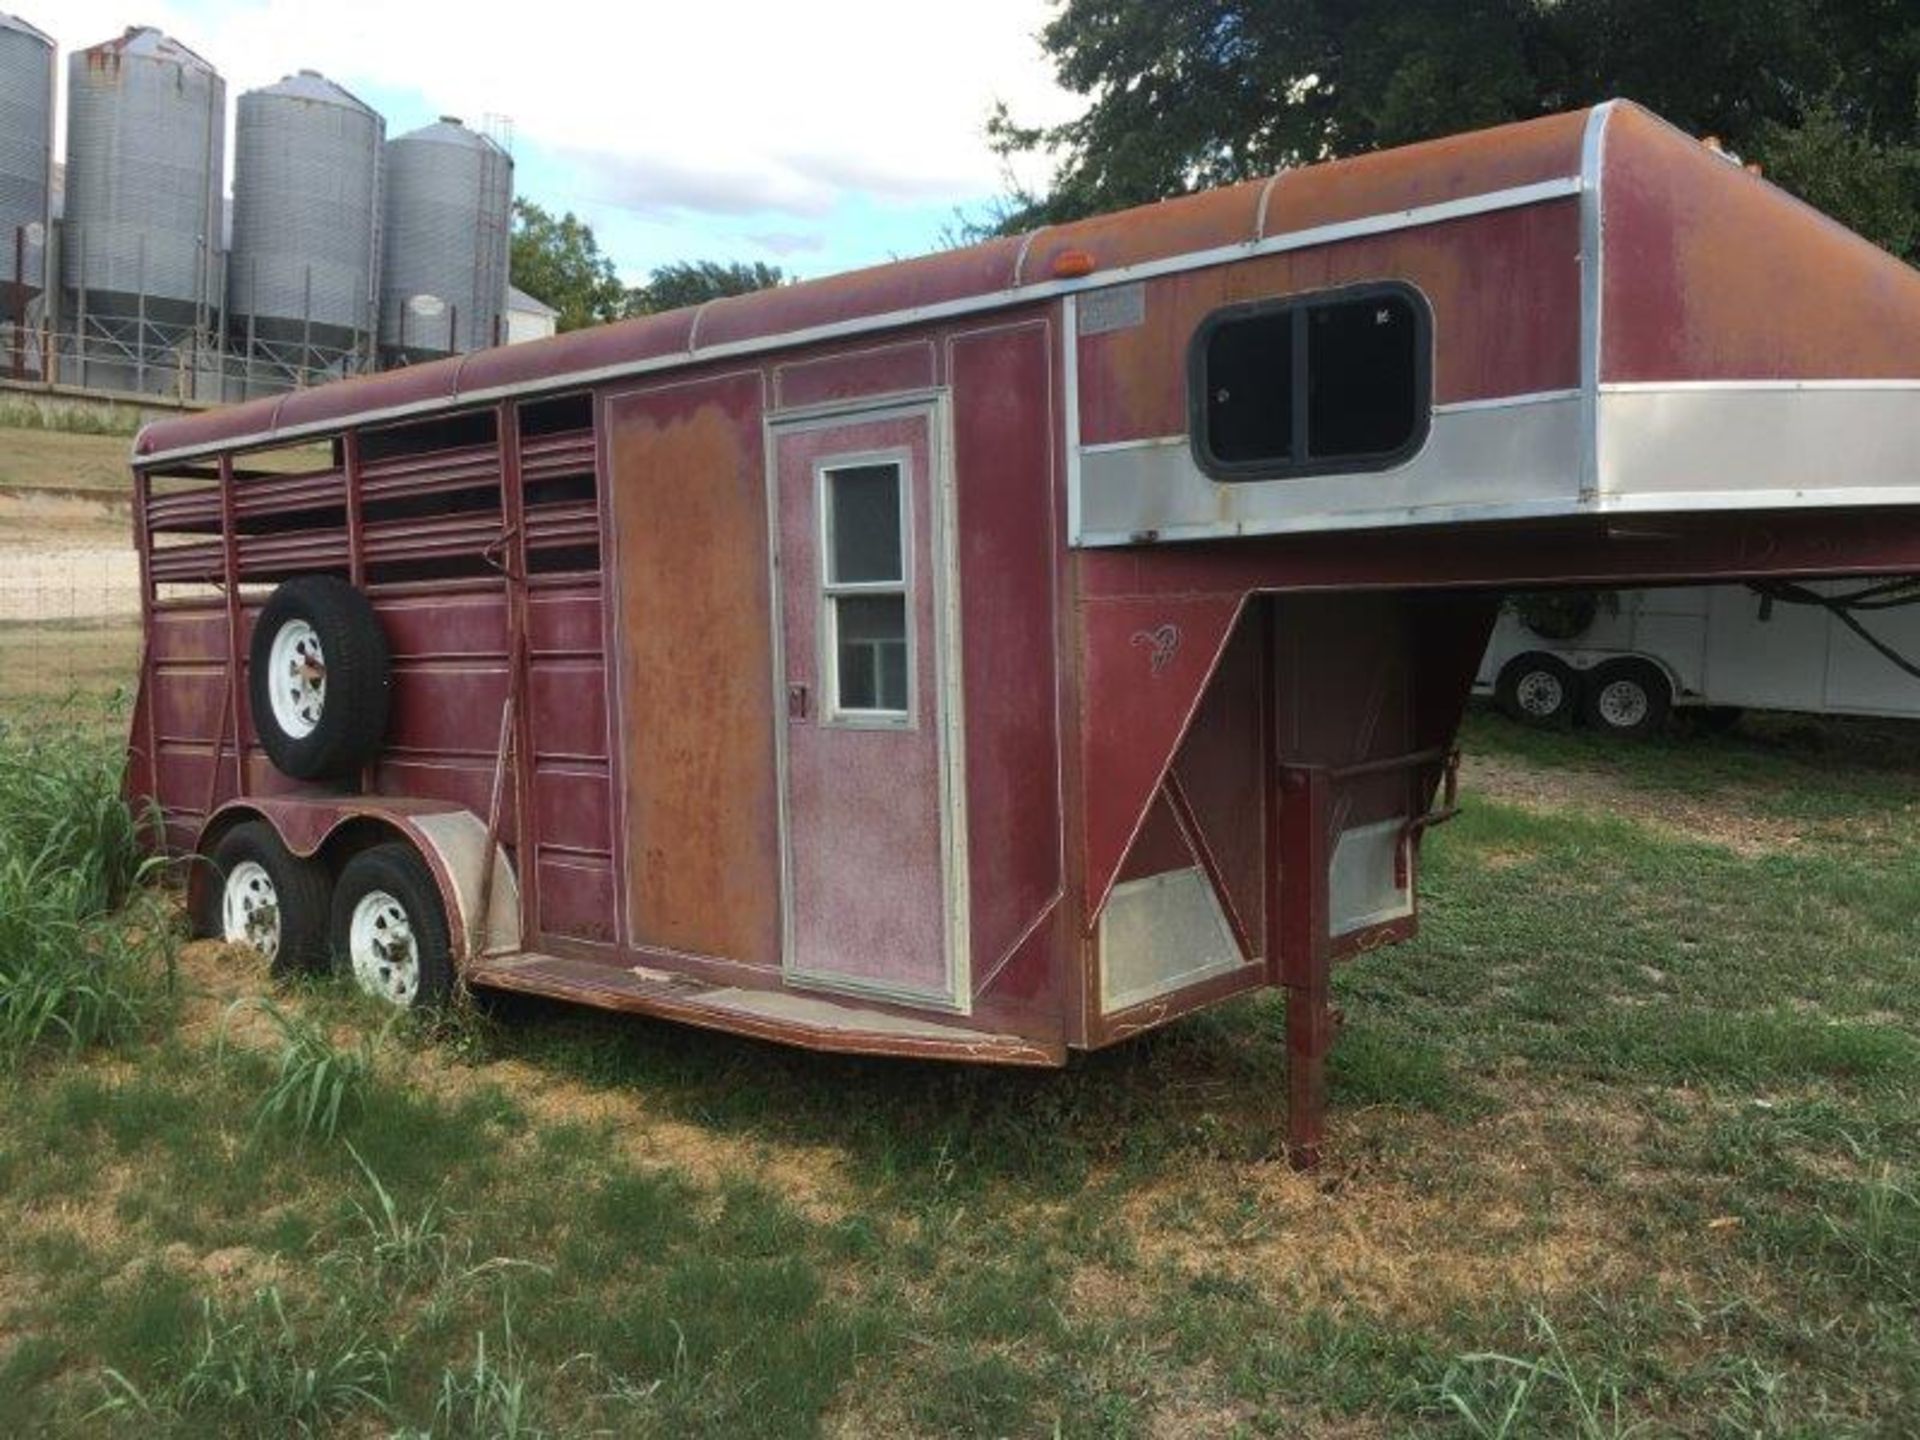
[{"x": 832, "y": 712}]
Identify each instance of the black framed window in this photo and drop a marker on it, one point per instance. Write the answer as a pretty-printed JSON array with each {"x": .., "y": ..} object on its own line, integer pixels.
[{"x": 1331, "y": 383}]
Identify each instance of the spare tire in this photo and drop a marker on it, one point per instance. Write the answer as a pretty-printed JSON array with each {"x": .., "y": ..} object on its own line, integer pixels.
[{"x": 318, "y": 678}]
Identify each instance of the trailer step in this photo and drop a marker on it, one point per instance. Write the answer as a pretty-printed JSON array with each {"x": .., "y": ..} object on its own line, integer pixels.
[{"x": 810, "y": 1021}]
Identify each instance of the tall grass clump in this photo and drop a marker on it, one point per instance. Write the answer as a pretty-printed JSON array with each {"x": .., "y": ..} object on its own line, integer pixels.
[
  {"x": 318, "y": 1085},
  {"x": 255, "y": 1373},
  {"x": 73, "y": 971}
]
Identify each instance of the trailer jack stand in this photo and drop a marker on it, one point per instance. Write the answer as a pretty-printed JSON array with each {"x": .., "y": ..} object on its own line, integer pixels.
[{"x": 1305, "y": 948}]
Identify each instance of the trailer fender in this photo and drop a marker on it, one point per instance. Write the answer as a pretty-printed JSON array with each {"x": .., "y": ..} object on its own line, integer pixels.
[
  {"x": 452, "y": 840},
  {"x": 1588, "y": 661}
]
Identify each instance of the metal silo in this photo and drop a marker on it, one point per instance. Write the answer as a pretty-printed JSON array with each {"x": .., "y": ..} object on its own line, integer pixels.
[
  {"x": 303, "y": 271},
  {"x": 140, "y": 244},
  {"x": 449, "y": 205},
  {"x": 26, "y": 178}
]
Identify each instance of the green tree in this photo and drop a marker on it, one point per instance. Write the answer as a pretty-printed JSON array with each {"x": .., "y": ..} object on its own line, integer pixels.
[
  {"x": 1187, "y": 94},
  {"x": 558, "y": 261},
  {"x": 690, "y": 282}
]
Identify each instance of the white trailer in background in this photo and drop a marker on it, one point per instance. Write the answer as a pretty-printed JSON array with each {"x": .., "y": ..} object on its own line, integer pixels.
[{"x": 1622, "y": 661}]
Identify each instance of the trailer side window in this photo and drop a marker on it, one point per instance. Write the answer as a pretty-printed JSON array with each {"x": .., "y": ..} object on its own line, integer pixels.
[
  {"x": 866, "y": 590},
  {"x": 1312, "y": 385}
]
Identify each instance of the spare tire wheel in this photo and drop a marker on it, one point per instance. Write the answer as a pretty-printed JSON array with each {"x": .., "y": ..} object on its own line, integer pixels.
[{"x": 318, "y": 678}]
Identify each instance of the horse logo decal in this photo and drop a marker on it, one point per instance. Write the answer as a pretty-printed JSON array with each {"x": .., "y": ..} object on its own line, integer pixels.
[{"x": 1160, "y": 645}]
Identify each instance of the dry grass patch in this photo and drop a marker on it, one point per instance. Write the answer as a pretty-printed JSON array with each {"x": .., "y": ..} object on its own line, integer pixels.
[
  {"x": 1460, "y": 1217},
  {"x": 1731, "y": 819}
]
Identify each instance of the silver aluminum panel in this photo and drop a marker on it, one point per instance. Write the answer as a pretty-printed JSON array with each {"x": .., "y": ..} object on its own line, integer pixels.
[
  {"x": 1361, "y": 884},
  {"x": 1519, "y": 456},
  {"x": 1759, "y": 445},
  {"x": 1162, "y": 934}
]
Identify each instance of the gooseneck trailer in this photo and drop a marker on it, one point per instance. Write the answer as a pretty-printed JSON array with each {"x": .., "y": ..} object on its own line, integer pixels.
[{"x": 1005, "y": 652}]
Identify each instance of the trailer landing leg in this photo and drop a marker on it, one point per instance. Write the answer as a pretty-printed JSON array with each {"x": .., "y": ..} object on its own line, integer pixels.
[{"x": 1305, "y": 948}]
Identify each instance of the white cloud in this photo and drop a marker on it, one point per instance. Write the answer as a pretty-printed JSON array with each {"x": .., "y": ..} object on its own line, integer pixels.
[
  {"x": 726, "y": 105},
  {"x": 787, "y": 243}
]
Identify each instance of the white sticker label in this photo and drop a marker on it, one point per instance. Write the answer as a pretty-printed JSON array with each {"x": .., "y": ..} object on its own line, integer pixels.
[{"x": 1121, "y": 308}]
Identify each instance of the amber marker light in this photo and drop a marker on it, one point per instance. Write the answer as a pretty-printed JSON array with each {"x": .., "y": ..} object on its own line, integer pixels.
[{"x": 1072, "y": 264}]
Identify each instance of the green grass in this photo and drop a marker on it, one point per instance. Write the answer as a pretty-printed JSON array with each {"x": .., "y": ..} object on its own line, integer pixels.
[
  {"x": 73, "y": 973},
  {"x": 1628, "y": 1142},
  {"x": 69, "y": 418}
]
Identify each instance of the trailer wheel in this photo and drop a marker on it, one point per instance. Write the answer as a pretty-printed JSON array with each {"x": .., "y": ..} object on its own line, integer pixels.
[
  {"x": 267, "y": 898},
  {"x": 390, "y": 930},
  {"x": 318, "y": 678},
  {"x": 1539, "y": 690},
  {"x": 1628, "y": 698}
]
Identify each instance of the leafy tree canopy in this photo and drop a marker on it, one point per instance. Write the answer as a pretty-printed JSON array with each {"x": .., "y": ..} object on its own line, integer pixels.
[
  {"x": 557, "y": 260},
  {"x": 690, "y": 282},
  {"x": 1188, "y": 94}
]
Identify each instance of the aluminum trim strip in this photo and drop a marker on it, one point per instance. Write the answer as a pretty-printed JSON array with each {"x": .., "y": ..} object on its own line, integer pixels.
[
  {"x": 1593, "y": 156},
  {"x": 1660, "y": 387},
  {"x": 1504, "y": 402}
]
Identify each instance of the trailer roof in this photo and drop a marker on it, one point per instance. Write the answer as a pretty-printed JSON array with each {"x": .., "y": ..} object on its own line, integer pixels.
[{"x": 1385, "y": 185}]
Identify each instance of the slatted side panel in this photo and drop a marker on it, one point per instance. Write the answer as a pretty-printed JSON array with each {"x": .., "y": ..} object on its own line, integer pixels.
[
  {"x": 449, "y": 644},
  {"x": 187, "y": 698},
  {"x": 571, "y": 789},
  {"x": 435, "y": 546}
]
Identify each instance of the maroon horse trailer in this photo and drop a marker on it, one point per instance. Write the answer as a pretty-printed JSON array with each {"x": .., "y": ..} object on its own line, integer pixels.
[{"x": 1005, "y": 652}]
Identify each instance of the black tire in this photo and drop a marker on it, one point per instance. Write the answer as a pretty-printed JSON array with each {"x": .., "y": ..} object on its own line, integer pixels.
[
  {"x": 1629, "y": 699},
  {"x": 301, "y": 895},
  {"x": 349, "y": 720},
  {"x": 1539, "y": 690},
  {"x": 394, "y": 871}
]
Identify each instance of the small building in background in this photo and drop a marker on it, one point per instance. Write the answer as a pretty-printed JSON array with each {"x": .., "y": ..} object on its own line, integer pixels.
[{"x": 528, "y": 318}]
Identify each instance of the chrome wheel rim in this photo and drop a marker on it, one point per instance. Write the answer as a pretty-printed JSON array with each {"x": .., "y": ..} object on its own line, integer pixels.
[
  {"x": 383, "y": 949},
  {"x": 1623, "y": 704},
  {"x": 250, "y": 909},
  {"x": 297, "y": 678},
  {"x": 1541, "y": 694}
]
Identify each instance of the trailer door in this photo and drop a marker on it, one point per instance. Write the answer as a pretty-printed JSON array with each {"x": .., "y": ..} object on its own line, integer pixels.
[{"x": 870, "y": 826}]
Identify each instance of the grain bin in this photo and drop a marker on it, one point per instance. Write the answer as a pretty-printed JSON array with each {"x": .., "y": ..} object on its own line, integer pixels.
[
  {"x": 26, "y": 163},
  {"x": 140, "y": 245},
  {"x": 449, "y": 206},
  {"x": 303, "y": 270}
]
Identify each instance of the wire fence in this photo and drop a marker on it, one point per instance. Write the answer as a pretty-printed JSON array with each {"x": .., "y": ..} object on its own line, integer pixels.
[{"x": 69, "y": 630}]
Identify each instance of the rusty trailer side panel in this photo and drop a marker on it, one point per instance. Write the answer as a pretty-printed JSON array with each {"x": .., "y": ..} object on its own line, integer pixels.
[{"x": 690, "y": 621}]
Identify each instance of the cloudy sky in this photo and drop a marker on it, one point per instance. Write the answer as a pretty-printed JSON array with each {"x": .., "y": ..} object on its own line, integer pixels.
[{"x": 816, "y": 136}]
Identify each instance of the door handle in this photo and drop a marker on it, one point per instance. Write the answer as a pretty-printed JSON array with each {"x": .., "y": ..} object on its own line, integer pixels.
[{"x": 799, "y": 701}]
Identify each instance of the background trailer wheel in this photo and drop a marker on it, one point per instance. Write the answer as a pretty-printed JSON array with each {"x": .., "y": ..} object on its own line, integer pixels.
[
  {"x": 267, "y": 898},
  {"x": 318, "y": 676},
  {"x": 389, "y": 930},
  {"x": 1537, "y": 689},
  {"x": 1628, "y": 698}
]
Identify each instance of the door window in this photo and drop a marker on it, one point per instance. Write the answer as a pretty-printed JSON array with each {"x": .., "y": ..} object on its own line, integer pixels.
[{"x": 868, "y": 646}]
